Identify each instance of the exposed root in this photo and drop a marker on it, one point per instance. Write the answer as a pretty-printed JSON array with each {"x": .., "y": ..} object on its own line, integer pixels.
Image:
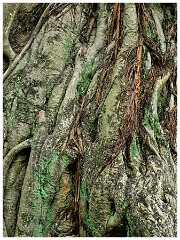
[
  {"x": 131, "y": 112},
  {"x": 10, "y": 11},
  {"x": 147, "y": 40},
  {"x": 171, "y": 128},
  {"x": 99, "y": 89},
  {"x": 10, "y": 156},
  {"x": 4, "y": 229},
  {"x": 28, "y": 45},
  {"x": 103, "y": 76},
  {"x": 63, "y": 7},
  {"x": 158, "y": 86},
  {"x": 8, "y": 51},
  {"x": 170, "y": 32},
  {"x": 137, "y": 76},
  {"x": 116, "y": 20}
]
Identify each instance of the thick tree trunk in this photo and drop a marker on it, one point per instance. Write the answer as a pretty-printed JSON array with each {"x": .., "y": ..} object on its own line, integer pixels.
[{"x": 90, "y": 120}]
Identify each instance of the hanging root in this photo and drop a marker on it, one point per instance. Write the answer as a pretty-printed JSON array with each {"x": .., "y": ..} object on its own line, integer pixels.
[
  {"x": 137, "y": 75},
  {"x": 130, "y": 118},
  {"x": 118, "y": 30},
  {"x": 171, "y": 128},
  {"x": 115, "y": 22},
  {"x": 8, "y": 51},
  {"x": 116, "y": 6},
  {"x": 150, "y": 44}
]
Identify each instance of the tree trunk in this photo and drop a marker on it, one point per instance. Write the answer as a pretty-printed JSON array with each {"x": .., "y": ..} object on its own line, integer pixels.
[{"x": 90, "y": 119}]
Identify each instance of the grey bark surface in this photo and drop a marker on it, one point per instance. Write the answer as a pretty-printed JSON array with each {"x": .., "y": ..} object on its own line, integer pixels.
[{"x": 89, "y": 149}]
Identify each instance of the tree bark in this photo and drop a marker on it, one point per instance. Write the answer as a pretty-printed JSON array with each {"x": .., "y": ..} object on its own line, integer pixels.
[{"x": 90, "y": 115}]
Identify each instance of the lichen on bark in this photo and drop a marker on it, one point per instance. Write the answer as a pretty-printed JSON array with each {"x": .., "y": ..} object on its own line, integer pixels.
[{"x": 90, "y": 114}]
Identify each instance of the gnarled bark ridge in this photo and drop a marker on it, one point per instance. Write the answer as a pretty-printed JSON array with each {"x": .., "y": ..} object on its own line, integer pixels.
[{"x": 90, "y": 119}]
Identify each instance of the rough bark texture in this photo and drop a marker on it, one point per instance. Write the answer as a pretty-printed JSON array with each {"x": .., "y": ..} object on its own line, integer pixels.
[{"x": 90, "y": 120}]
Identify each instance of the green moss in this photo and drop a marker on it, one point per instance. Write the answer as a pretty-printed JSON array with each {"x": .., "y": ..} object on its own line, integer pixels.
[
  {"x": 18, "y": 86},
  {"x": 84, "y": 195},
  {"x": 41, "y": 194},
  {"x": 32, "y": 130},
  {"x": 157, "y": 5},
  {"x": 151, "y": 33},
  {"x": 22, "y": 139},
  {"x": 20, "y": 232},
  {"x": 110, "y": 119},
  {"x": 128, "y": 219},
  {"x": 156, "y": 128},
  {"x": 134, "y": 148},
  {"x": 27, "y": 218},
  {"x": 130, "y": 224},
  {"x": 135, "y": 156},
  {"x": 148, "y": 31},
  {"x": 6, "y": 105},
  {"x": 84, "y": 191},
  {"x": 68, "y": 46},
  {"x": 146, "y": 233},
  {"x": 10, "y": 120},
  {"x": 92, "y": 230},
  {"x": 65, "y": 162},
  {"x": 76, "y": 28},
  {"x": 151, "y": 122},
  {"x": 39, "y": 230},
  {"x": 125, "y": 205},
  {"x": 48, "y": 161},
  {"x": 85, "y": 77},
  {"x": 49, "y": 218},
  {"x": 31, "y": 143},
  {"x": 16, "y": 77},
  {"x": 161, "y": 105},
  {"x": 120, "y": 117}
]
